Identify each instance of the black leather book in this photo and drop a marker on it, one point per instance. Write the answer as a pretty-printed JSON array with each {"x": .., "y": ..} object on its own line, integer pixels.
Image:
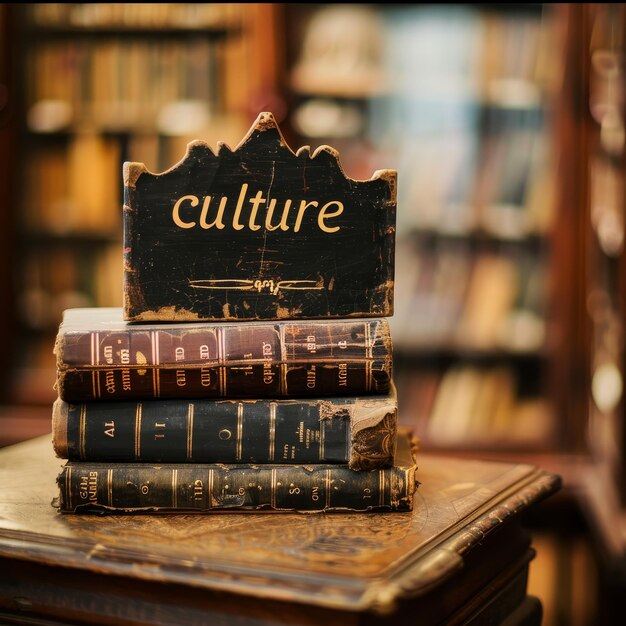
[
  {"x": 90, "y": 487},
  {"x": 359, "y": 431}
]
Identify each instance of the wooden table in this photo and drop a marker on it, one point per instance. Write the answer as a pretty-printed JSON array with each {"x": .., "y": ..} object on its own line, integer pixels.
[{"x": 460, "y": 557}]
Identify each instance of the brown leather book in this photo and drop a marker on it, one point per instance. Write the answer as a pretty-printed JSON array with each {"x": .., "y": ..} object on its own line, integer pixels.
[{"x": 102, "y": 357}]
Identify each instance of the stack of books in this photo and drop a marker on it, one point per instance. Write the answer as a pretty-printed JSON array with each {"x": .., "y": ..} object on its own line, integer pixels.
[{"x": 260, "y": 401}]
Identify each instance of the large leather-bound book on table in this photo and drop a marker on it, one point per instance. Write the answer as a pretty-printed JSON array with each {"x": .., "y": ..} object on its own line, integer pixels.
[{"x": 461, "y": 554}]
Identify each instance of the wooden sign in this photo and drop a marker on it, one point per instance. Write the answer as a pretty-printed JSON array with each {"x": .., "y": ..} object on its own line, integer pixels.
[{"x": 258, "y": 232}]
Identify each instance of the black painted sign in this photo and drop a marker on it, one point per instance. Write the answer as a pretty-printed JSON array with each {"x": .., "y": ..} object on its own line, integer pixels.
[{"x": 258, "y": 232}]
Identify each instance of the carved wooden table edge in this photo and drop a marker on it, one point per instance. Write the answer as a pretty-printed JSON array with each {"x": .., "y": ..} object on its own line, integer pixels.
[{"x": 426, "y": 573}]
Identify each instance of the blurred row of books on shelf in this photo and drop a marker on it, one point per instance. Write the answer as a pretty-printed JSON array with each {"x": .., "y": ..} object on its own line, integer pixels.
[
  {"x": 60, "y": 275},
  {"x": 115, "y": 85},
  {"x": 508, "y": 194},
  {"x": 455, "y": 295},
  {"x": 496, "y": 178},
  {"x": 433, "y": 51},
  {"x": 76, "y": 192},
  {"x": 146, "y": 15},
  {"x": 469, "y": 405},
  {"x": 70, "y": 187}
]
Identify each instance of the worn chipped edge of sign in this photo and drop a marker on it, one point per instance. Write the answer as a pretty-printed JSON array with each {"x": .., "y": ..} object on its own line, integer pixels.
[{"x": 265, "y": 121}]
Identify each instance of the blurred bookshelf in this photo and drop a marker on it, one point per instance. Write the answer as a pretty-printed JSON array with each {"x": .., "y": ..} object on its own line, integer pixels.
[
  {"x": 96, "y": 85},
  {"x": 460, "y": 100},
  {"x": 599, "y": 142},
  {"x": 605, "y": 286}
]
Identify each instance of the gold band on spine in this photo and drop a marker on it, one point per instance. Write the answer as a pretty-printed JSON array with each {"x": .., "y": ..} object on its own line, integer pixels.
[
  {"x": 272, "y": 450},
  {"x": 239, "y": 430},
  {"x": 190, "y": 431},
  {"x": 209, "y": 495},
  {"x": 221, "y": 356},
  {"x": 368, "y": 357},
  {"x": 95, "y": 383},
  {"x": 174, "y": 488},
  {"x": 282, "y": 366},
  {"x": 68, "y": 488},
  {"x": 95, "y": 348},
  {"x": 156, "y": 360},
  {"x": 157, "y": 347},
  {"x": 327, "y": 480},
  {"x": 110, "y": 487},
  {"x": 81, "y": 431},
  {"x": 138, "y": 431},
  {"x": 273, "y": 488},
  {"x": 95, "y": 374},
  {"x": 381, "y": 487}
]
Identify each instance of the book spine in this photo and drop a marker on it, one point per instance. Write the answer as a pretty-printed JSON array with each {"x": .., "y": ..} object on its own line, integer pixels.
[
  {"x": 236, "y": 361},
  {"x": 360, "y": 432},
  {"x": 136, "y": 487}
]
